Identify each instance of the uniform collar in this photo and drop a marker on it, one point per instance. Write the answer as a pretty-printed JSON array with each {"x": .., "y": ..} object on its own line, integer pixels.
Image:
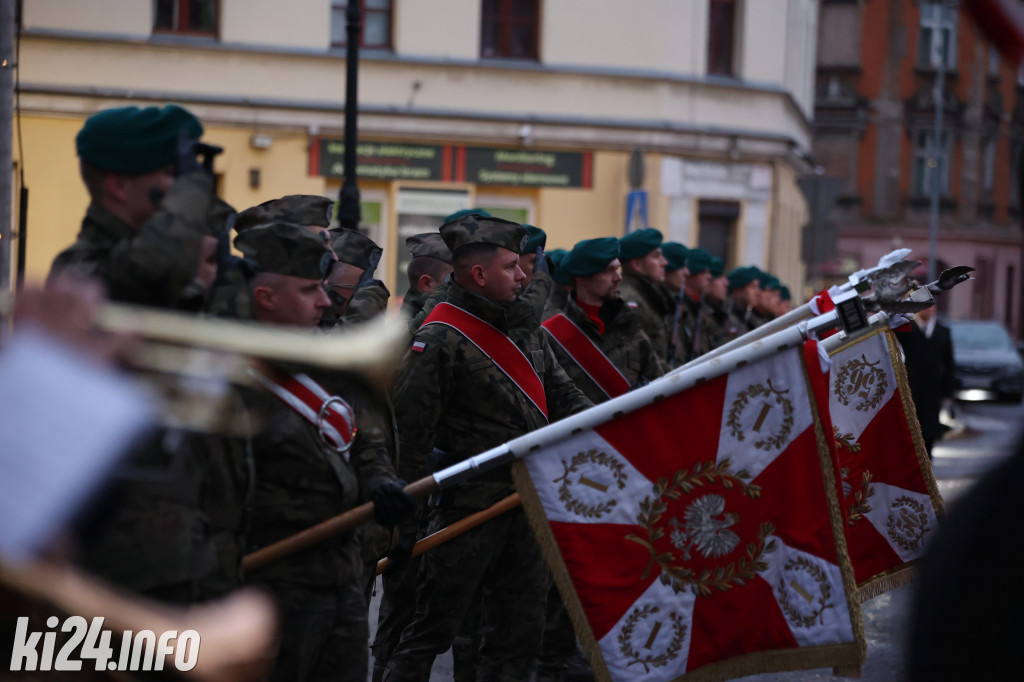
[
  {"x": 106, "y": 223},
  {"x": 487, "y": 310}
]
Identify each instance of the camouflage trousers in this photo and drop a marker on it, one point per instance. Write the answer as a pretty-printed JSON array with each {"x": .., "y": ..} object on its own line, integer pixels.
[
  {"x": 323, "y": 632},
  {"x": 499, "y": 560}
]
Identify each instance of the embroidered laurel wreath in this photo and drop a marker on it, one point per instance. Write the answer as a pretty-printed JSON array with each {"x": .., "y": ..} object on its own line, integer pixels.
[
  {"x": 805, "y": 620},
  {"x": 743, "y": 398},
  {"x": 649, "y": 661},
  {"x": 856, "y": 378},
  {"x": 860, "y": 505},
  {"x": 574, "y": 506},
  {"x": 845, "y": 441},
  {"x": 685, "y": 482},
  {"x": 907, "y": 523}
]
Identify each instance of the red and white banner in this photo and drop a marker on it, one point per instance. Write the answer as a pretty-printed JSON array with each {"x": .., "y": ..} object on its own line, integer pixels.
[
  {"x": 702, "y": 534},
  {"x": 891, "y": 502}
]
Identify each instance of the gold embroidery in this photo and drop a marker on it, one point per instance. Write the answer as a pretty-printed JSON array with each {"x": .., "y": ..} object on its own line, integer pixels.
[
  {"x": 649, "y": 661},
  {"x": 602, "y": 459},
  {"x": 863, "y": 380},
  {"x": 772, "y": 441},
  {"x": 860, "y": 504},
  {"x": 705, "y": 529},
  {"x": 845, "y": 441},
  {"x": 907, "y": 523},
  {"x": 814, "y": 579}
]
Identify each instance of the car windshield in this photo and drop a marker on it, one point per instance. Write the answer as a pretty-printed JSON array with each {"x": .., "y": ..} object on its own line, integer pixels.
[{"x": 980, "y": 337}]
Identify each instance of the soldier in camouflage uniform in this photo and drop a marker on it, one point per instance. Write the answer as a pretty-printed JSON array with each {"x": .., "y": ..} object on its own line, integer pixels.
[
  {"x": 763, "y": 309},
  {"x": 744, "y": 289},
  {"x": 721, "y": 325},
  {"x": 675, "y": 279},
  {"x": 452, "y": 396},
  {"x": 643, "y": 286},
  {"x": 693, "y": 332},
  {"x": 561, "y": 284},
  {"x": 355, "y": 296},
  {"x": 785, "y": 301},
  {"x": 302, "y": 478},
  {"x": 538, "y": 286},
  {"x": 173, "y": 525},
  {"x": 429, "y": 267}
]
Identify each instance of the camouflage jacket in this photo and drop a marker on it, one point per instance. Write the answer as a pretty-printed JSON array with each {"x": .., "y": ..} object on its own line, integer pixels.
[
  {"x": 655, "y": 306},
  {"x": 368, "y": 302},
  {"x": 623, "y": 342},
  {"x": 722, "y": 326},
  {"x": 693, "y": 330},
  {"x": 533, "y": 299},
  {"x": 412, "y": 304},
  {"x": 301, "y": 482},
  {"x": 449, "y": 395},
  {"x": 741, "y": 314},
  {"x": 556, "y": 302},
  {"x": 156, "y": 264}
]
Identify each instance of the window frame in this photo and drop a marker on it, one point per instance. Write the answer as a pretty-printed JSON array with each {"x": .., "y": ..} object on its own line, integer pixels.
[
  {"x": 937, "y": 17},
  {"x": 923, "y": 150},
  {"x": 363, "y": 13},
  {"x": 505, "y": 22},
  {"x": 713, "y": 68},
  {"x": 181, "y": 17}
]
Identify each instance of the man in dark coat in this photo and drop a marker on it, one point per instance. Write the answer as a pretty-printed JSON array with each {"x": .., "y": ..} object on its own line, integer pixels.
[{"x": 928, "y": 347}]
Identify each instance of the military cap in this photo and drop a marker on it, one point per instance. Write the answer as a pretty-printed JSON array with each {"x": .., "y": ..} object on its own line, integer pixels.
[
  {"x": 698, "y": 260},
  {"x": 741, "y": 277},
  {"x": 355, "y": 248},
  {"x": 590, "y": 256},
  {"x": 557, "y": 257},
  {"x": 639, "y": 243},
  {"x": 477, "y": 229},
  {"x": 286, "y": 249},
  {"x": 717, "y": 267},
  {"x": 297, "y": 209},
  {"x": 428, "y": 245},
  {"x": 785, "y": 294},
  {"x": 769, "y": 282},
  {"x": 675, "y": 254},
  {"x": 463, "y": 212},
  {"x": 134, "y": 141},
  {"x": 538, "y": 239}
]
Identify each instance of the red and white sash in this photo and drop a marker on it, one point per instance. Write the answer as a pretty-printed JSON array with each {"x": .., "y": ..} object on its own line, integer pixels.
[
  {"x": 505, "y": 355},
  {"x": 333, "y": 417},
  {"x": 585, "y": 353}
]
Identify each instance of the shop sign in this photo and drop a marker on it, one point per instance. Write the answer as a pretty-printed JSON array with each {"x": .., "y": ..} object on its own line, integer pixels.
[
  {"x": 524, "y": 167},
  {"x": 379, "y": 160}
]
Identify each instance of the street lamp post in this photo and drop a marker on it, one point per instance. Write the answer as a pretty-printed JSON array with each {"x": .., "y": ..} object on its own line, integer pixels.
[
  {"x": 349, "y": 212},
  {"x": 938, "y": 163}
]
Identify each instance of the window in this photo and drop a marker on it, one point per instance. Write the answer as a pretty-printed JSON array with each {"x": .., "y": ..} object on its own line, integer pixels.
[
  {"x": 185, "y": 16},
  {"x": 717, "y": 233},
  {"x": 938, "y": 35},
  {"x": 509, "y": 29},
  {"x": 988, "y": 168},
  {"x": 721, "y": 37},
  {"x": 931, "y": 163},
  {"x": 376, "y": 29}
]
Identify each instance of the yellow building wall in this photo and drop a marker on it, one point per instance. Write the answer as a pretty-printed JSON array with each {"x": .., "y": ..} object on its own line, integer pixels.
[
  {"x": 125, "y": 17},
  {"x": 569, "y": 215},
  {"x": 788, "y": 217},
  {"x": 296, "y": 23},
  {"x": 428, "y": 28}
]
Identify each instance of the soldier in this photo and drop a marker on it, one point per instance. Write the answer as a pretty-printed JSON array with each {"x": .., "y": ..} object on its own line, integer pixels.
[
  {"x": 429, "y": 267},
  {"x": 785, "y": 301},
  {"x": 744, "y": 290},
  {"x": 675, "y": 280},
  {"x": 764, "y": 307},
  {"x": 173, "y": 525},
  {"x": 721, "y": 325},
  {"x": 693, "y": 332},
  {"x": 319, "y": 455},
  {"x": 561, "y": 283},
  {"x": 643, "y": 285},
  {"x": 355, "y": 295},
  {"x": 312, "y": 211},
  {"x": 452, "y": 394},
  {"x": 538, "y": 285},
  {"x": 151, "y": 206}
]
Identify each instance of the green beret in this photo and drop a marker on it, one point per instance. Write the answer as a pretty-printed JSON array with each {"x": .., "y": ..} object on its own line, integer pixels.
[
  {"x": 463, "y": 212},
  {"x": 355, "y": 248},
  {"x": 639, "y": 243},
  {"x": 477, "y": 229},
  {"x": 134, "y": 141},
  {"x": 298, "y": 209},
  {"x": 698, "y": 260},
  {"x": 428, "y": 245},
  {"x": 741, "y": 277},
  {"x": 590, "y": 256},
  {"x": 770, "y": 283},
  {"x": 675, "y": 254},
  {"x": 538, "y": 239},
  {"x": 784, "y": 293},
  {"x": 557, "y": 257},
  {"x": 717, "y": 267},
  {"x": 286, "y": 249}
]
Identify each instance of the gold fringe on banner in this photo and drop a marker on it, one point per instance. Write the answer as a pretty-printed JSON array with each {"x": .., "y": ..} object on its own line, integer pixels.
[
  {"x": 900, "y": 370},
  {"x": 876, "y": 585}
]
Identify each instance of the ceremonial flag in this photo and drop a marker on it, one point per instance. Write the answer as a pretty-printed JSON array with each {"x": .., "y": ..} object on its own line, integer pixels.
[
  {"x": 890, "y": 499},
  {"x": 699, "y": 537}
]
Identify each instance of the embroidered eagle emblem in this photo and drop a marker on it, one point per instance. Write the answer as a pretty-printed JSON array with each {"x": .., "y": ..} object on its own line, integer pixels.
[{"x": 705, "y": 527}]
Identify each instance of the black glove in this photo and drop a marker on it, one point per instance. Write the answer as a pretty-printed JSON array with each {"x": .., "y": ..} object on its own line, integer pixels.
[
  {"x": 541, "y": 262},
  {"x": 400, "y": 553},
  {"x": 367, "y": 277},
  {"x": 391, "y": 504},
  {"x": 188, "y": 152}
]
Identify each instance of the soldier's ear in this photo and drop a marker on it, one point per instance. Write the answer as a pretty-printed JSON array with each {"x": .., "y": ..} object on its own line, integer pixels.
[
  {"x": 264, "y": 298},
  {"x": 478, "y": 275}
]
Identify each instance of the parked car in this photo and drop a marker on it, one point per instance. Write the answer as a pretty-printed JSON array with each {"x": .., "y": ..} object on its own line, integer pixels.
[{"x": 988, "y": 366}]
